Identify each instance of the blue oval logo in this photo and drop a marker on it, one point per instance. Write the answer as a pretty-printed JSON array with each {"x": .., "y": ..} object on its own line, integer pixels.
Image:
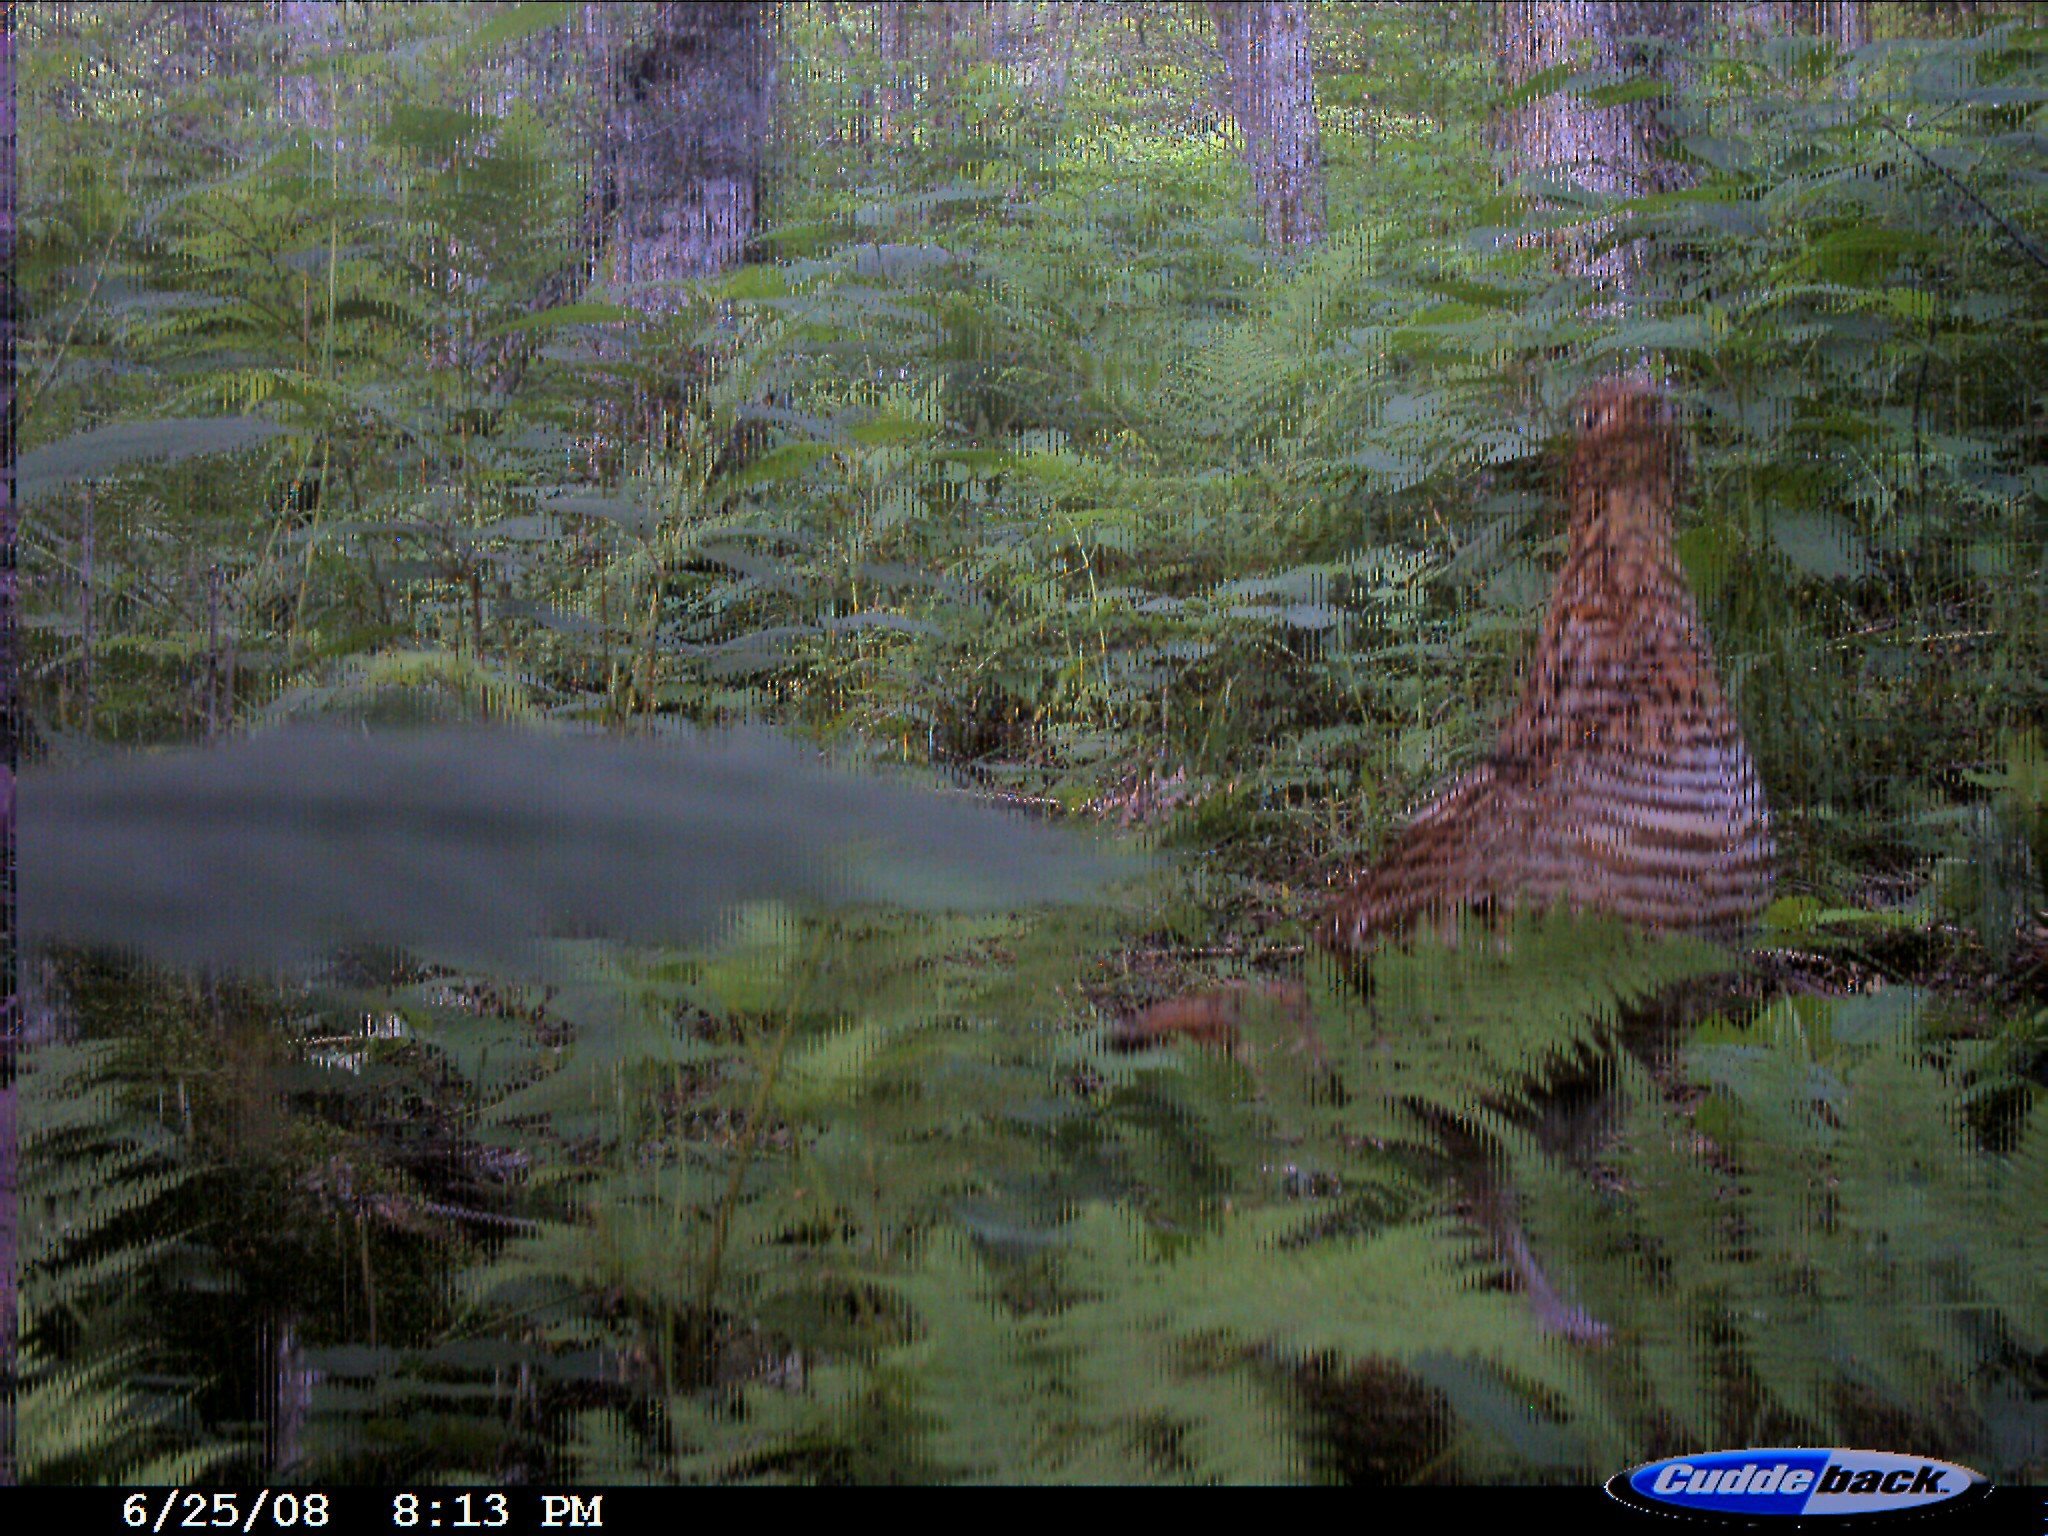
[{"x": 1807, "y": 1483}]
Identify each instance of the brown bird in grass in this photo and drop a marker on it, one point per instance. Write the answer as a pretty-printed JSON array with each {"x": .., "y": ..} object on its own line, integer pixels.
[{"x": 1621, "y": 783}]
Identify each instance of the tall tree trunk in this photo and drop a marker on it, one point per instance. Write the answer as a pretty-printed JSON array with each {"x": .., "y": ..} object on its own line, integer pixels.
[
  {"x": 311, "y": 27},
  {"x": 1563, "y": 136},
  {"x": 1271, "y": 91},
  {"x": 892, "y": 41},
  {"x": 687, "y": 145}
]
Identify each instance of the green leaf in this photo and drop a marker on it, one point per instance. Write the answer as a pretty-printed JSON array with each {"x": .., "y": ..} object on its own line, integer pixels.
[
  {"x": 107, "y": 450},
  {"x": 1817, "y": 544}
]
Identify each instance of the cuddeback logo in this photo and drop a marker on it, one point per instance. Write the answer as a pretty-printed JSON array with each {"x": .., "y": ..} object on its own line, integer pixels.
[{"x": 1803, "y": 1484}]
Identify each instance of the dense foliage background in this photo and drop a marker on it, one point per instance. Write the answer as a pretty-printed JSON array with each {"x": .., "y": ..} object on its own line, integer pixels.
[{"x": 1017, "y": 454}]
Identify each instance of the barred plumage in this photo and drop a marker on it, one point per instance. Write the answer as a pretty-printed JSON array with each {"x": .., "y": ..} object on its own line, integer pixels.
[{"x": 1621, "y": 783}]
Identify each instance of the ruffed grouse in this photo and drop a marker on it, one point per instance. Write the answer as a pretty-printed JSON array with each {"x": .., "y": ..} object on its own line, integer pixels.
[{"x": 1621, "y": 783}]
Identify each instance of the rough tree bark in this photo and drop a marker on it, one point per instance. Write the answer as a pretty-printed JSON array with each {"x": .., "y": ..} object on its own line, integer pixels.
[
  {"x": 1565, "y": 136},
  {"x": 687, "y": 145},
  {"x": 1271, "y": 92}
]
